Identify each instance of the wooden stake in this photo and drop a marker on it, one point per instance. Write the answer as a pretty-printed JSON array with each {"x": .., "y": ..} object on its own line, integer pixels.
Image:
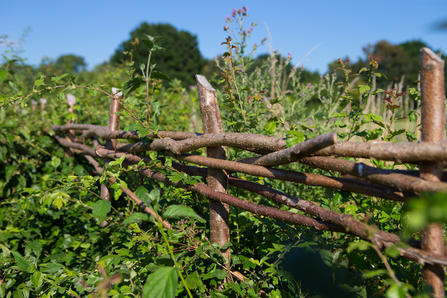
[
  {"x": 217, "y": 179},
  {"x": 433, "y": 130},
  {"x": 115, "y": 106}
]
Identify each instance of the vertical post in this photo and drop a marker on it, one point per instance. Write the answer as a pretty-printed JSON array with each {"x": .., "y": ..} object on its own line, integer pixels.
[
  {"x": 43, "y": 102},
  {"x": 71, "y": 101},
  {"x": 33, "y": 104},
  {"x": 115, "y": 106},
  {"x": 433, "y": 130},
  {"x": 216, "y": 179}
]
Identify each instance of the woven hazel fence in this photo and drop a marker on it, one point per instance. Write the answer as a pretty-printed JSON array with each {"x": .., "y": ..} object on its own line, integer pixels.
[{"x": 320, "y": 152}]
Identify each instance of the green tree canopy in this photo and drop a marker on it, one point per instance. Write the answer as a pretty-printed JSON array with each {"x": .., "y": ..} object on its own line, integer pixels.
[
  {"x": 70, "y": 63},
  {"x": 181, "y": 59},
  {"x": 394, "y": 61}
]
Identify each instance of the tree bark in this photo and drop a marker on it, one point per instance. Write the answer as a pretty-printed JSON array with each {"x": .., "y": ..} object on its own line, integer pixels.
[
  {"x": 433, "y": 130},
  {"x": 115, "y": 106},
  {"x": 216, "y": 179}
]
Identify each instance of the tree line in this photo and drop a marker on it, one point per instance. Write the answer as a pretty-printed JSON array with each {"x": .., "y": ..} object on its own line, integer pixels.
[{"x": 182, "y": 59}]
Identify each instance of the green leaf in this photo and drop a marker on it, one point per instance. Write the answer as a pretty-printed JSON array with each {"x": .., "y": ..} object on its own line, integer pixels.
[
  {"x": 143, "y": 69},
  {"x": 58, "y": 78},
  {"x": 364, "y": 88},
  {"x": 51, "y": 267},
  {"x": 55, "y": 161},
  {"x": 39, "y": 82},
  {"x": 395, "y": 292},
  {"x": 162, "y": 283},
  {"x": 412, "y": 116},
  {"x": 149, "y": 44},
  {"x": 118, "y": 161},
  {"x": 392, "y": 251},
  {"x": 157, "y": 48},
  {"x": 143, "y": 194},
  {"x": 159, "y": 75},
  {"x": 101, "y": 208},
  {"x": 59, "y": 198},
  {"x": 373, "y": 273},
  {"x": 37, "y": 279},
  {"x": 379, "y": 74},
  {"x": 93, "y": 92},
  {"x": 270, "y": 127},
  {"x": 181, "y": 211},
  {"x": 10, "y": 170},
  {"x": 132, "y": 85},
  {"x": 363, "y": 69},
  {"x": 2, "y": 75},
  {"x": 298, "y": 137},
  {"x": 136, "y": 217},
  {"x": 24, "y": 265}
]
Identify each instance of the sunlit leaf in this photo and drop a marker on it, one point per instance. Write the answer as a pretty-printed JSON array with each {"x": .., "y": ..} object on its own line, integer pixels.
[
  {"x": 162, "y": 283},
  {"x": 174, "y": 211}
]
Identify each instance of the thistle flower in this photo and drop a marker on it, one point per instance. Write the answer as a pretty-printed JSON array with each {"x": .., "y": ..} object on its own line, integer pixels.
[{"x": 233, "y": 12}]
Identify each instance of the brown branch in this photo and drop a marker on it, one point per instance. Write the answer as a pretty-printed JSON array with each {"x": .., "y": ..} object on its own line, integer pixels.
[
  {"x": 189, "y": 141},
  {"x": 104, "y": 133},
  {"x": 402, "y": 182},
  {"x": 297, "y": 177},
  {"x": 398, "y": 152},
  {"x": 73, "y": 145},
  {"x": 294, "y": 153},
  {"x": 414, "y": 254}
]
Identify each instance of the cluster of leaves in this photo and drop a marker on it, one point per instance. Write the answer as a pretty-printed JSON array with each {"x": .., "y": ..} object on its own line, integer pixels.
[{"x": 51, "y": 238}]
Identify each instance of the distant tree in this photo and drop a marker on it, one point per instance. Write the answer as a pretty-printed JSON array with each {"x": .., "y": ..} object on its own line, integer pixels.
[
  {"x": 181, "y": 59},
  {"x": 70, "y": 64},
  {"x": 394, "y": 61}
]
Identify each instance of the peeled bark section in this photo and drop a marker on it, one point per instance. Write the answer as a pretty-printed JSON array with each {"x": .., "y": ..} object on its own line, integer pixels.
[
  {"x": 433, "y": 131},
  {"x": 216, "y": 179}
]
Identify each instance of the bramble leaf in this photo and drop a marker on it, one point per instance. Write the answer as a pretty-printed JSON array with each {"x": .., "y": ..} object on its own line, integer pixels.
[
  {"x": 162, "y": 283},
  {"x": 181, "y": 211}
]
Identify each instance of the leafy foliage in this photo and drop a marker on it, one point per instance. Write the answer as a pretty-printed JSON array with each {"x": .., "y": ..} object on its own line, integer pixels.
[{"x": 52, "y": 239}]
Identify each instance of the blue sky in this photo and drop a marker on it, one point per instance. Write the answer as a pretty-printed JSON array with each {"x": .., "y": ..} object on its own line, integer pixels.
[{"x": 334, "y": 29}]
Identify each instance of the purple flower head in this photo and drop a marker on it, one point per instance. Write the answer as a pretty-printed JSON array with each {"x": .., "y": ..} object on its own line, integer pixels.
[
  {"x": 226, "y": 28},
  {"x": 250, "y": 29},
  {"x": 245, "y": 8},
  {"x": 255, "y": 45},
  {"x": 309, "y": 85},
  {"x": 233, "y": 12},
  {"x": 227, "y": 19},
  {"x": 243, "y": 32},
  {"x": 289, "y": 56}
]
